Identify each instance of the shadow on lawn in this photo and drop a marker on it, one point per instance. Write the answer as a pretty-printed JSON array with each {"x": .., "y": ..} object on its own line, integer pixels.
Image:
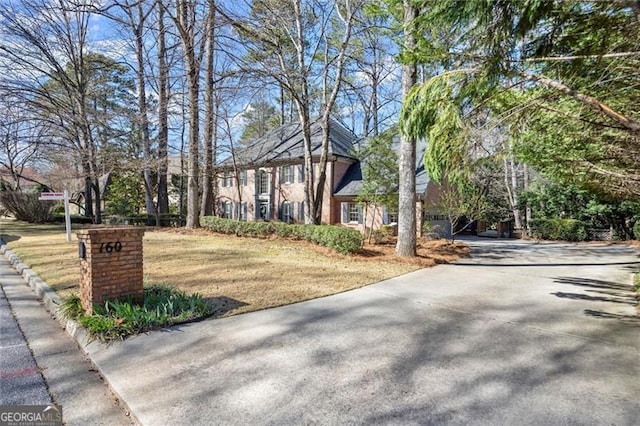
[
  {"x": 223, "y": 304},
  {"x": 7, "y": 238}
]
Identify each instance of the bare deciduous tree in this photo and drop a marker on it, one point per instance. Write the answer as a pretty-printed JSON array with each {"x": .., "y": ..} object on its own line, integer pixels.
[
  {"x": 302, "y": 50},
  {"x": 210, "y": 136},
  {"x": 190, "y": 19},
  {"x": 21, "y": 140},
  {"x": 48, "y": 65}
]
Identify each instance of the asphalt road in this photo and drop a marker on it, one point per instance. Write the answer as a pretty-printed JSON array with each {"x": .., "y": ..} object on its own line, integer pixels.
[{"x": 520, "y": 333}]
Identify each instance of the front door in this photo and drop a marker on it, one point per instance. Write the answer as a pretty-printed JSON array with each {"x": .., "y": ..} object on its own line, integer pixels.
[{"x": 263, "y": 210}]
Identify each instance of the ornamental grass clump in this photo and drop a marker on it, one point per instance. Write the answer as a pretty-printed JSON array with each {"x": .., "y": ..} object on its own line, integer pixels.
[{"x": 163, "y": 306}]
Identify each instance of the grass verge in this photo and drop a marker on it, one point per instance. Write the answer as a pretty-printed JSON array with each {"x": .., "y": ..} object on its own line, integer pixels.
[{"x": 162, "y": 306}]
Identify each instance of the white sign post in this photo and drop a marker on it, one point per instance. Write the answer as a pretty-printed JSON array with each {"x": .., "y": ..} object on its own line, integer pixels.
[{"x": 52, "y": 196}]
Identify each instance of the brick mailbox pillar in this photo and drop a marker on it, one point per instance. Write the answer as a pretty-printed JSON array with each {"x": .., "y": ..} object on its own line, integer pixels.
[{"x": 110, "y": 265}]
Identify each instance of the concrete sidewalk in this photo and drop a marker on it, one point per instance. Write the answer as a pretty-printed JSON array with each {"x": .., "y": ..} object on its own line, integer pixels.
[
  {"x": 21, "y": 383},
  {"x": 69, "y": 377},
  {"x": 520, "y": 333},
  {"x": 548, "y": 336}
]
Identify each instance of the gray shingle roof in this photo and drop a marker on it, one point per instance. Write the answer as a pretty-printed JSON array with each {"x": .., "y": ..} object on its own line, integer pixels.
[
  {"x": 351, "y": 183},
  {"x": 285, "y": 145},
  {"x": 422, "y": 177}
]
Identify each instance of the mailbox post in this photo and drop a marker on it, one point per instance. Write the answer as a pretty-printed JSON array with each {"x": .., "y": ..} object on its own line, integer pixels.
[{"x": 110, "y": 265}]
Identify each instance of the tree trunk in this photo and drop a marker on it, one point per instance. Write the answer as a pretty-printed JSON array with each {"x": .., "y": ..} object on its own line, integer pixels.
[
  {"x": 163, "y": 122},
  {"x": 374, "y": 107},
  {"x": 406, "y": 245},
  {"x": 209, "y": 122},
  {"x": 185, "y": 25},
  {"x": 97, "y": 194},
  {"x": 143, "y": 117},
  {"x": 282, "y": 105},
  {"x": 88, "y": 192},
  {"x": 98, "y": 202},
  {"x": 322, "y": 171},
  {"x": 301, "y": 99},
  {"x": 308, "y": 165},
  {"x": 527, "y": 214},
  {"x": 193, "y": 218},
  {"x": 183, "y": 168},
  {"x": 517, "y": 217},
  {"x": 511, "y": 186},
  {"x": 375, "y": 83}
]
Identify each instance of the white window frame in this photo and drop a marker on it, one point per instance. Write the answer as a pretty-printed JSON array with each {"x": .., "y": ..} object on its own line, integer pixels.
[
  {"x": 263, "y": 180},
  {"x": 288, "y": 174},
  {"x": 287, "y": 212},
  {"x": 354, "y": 213},
  {"x": 392, "y": 217},
  {"x": 227, "y": 179},
  {"x": 228, "y": 210}
]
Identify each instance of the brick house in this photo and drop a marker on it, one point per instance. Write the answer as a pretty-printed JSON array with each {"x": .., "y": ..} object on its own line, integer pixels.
[
  {"x": 265, "y": 180},
  {"x": 427, "y": 195}
]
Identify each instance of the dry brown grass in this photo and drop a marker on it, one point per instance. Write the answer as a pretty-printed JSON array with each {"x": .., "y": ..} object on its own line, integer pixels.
[{"x": 236, "y": 274}]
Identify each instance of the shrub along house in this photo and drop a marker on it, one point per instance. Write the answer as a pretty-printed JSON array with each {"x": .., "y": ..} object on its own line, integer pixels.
[{"x": 265, "y": 180}]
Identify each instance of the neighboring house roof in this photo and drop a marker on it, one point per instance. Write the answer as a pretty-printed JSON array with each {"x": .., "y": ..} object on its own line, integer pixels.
[
  {"x": 285, "y": 144},
  {"x": 29, "y": 177},
  {"x": 76, "y": 186},
  {"x": 351, "y": 183}
]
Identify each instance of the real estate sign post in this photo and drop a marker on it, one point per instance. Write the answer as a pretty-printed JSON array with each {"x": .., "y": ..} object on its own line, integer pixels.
[{"x": 51, "y": 196}]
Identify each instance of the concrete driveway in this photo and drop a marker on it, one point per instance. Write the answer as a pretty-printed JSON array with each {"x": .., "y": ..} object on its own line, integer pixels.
[{"x": 520, "y": 333}]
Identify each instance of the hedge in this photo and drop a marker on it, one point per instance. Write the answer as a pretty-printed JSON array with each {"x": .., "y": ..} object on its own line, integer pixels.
[
  {"x": 636, "y": 229},
  {"x": 135, "y": 220},
  {"x": 75, "y": 218},
  {"x": 166, "y": 219},
  {"x": 341, "y": 239},
  {"x": 559, "y": 229}
]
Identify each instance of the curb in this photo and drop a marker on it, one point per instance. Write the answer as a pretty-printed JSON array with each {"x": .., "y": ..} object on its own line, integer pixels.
[
  {"x": 52, "y": 301},
  {"x": 39, "y": 287},
  {"x": 48, "y": 295}
]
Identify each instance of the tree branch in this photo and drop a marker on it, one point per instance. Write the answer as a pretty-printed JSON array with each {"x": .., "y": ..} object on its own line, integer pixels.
[
  {"x": 572, "y": 58},
  {"x": 626, "y": 122}
]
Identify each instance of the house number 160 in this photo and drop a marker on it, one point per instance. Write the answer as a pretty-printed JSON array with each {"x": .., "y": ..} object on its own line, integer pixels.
[{"x": 110, "y": 247}]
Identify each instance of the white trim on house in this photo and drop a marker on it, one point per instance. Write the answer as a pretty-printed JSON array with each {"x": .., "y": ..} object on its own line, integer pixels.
[{"x": 352, "y": 213}]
